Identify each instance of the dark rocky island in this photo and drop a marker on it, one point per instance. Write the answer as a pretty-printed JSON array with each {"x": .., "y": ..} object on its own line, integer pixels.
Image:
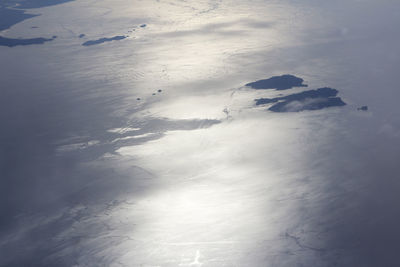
[
  {"x": 307, "y": 100},
  {"x": 11, "y": 11},
  {"x": 318, "y": 93},
  {"x": 307, "y": 104},
  {"x": 282, "y": 82},
  {"x": 15, "y": 42},
  {"x": 27, "y": 4},
  {"x": 10, "y": 17},
  {"x": 103, "y": 40}
]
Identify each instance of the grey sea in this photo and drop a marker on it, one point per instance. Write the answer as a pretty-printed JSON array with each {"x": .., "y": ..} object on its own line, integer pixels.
[{"x": 163, "y": 133}]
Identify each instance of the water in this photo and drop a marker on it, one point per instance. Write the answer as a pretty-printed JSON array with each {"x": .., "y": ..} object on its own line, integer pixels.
[{"x": 197, "y": 174}]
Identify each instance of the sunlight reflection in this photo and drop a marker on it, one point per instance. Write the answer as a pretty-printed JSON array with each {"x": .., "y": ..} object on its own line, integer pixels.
[{"x": 222, "y": 197}]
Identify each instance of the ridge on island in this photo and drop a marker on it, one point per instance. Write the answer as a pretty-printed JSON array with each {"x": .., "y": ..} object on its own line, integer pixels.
[
  {"x": 282, "y": 82},
  {"x": 307, "y": 104},
  {"x": 307, "y": 100}
]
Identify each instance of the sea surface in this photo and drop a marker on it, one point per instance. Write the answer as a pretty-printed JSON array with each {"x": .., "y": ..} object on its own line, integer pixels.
[{"x": 131, "y": 133}]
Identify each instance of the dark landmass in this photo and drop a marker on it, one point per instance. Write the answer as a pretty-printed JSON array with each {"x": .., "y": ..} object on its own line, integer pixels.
[
  {"x": 103, "y": 40},
  {"x": 143, "y": 25},
  {"x": 278, "y": 82},
  {"x": 318, "y": 93},
  {"x": 26, "y": 4},
  {"x": 81, "y": 35},
  {"x": 363, "y": 108},
  {"x": 159, "y": 90},
  {"x": 138, "y": 98},
  {"x": 10, "y": 17},
  {"x": 15, "y": 42},
  {"x": 307, "y": 100},
  {"x": 313, "y": 104},
  {"x": 11, "y": 11}
]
